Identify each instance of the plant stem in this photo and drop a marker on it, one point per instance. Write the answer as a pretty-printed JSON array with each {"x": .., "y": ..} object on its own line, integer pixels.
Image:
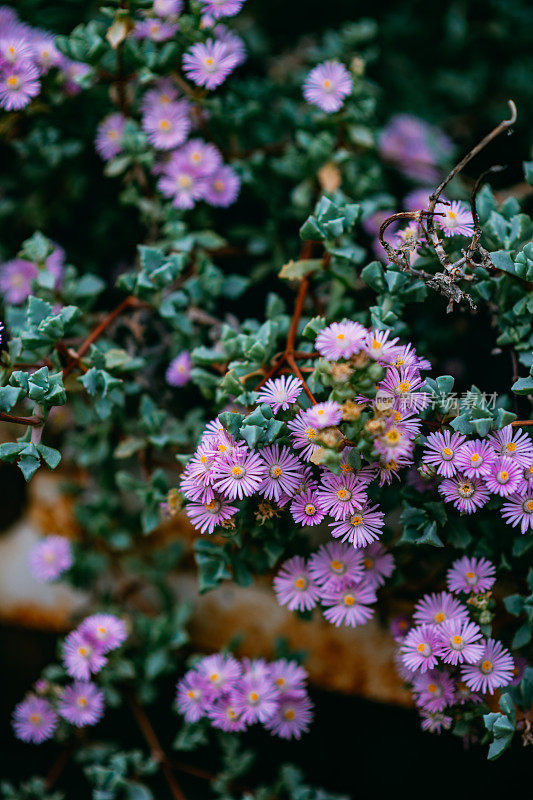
[{"x": 35, "y": 422}]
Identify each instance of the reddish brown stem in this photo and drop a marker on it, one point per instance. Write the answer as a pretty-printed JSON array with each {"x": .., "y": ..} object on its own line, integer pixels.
[
  {"x": 295, "y": 368},
  {"x": 57, "y": 767},
  {"x": 521, "y": 423},
  {"x": 156, "y": 750},
  {"x": 34, "y": 421}
]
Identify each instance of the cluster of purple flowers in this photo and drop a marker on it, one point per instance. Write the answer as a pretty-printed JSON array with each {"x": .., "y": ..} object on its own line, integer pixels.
[
  {"x": 26, "y": 55},
  {"x": 17, "y": 275},
  {"x": 415, "y": 147},
  {"x": 343, "y": 580},
  {"x": 474, "y": 469},
  {"x": 50, "y": 558},
  {"x": 445, "y": 657},
  {"x": 223, "y": 470},
  {"x": 80, "y": 703},
  {"x": 233, "y": 694}
]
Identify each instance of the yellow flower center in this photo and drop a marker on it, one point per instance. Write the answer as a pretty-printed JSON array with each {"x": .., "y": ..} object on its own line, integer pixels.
[
  {"x": 82, "y": 651},
  {"x": 529, "y": 505},
  {"x": 236, "y": 472},
  {"x": 446, "y": 451},
  {"x": 340, "y": 336},
  {"x": 209, "y": 61},
  {"x": 289, "y": 713},
  {"x": 184, "y": 181},
  {"x": 510, "y": 447},
  {"x": 310, "y": 509},
  {"x": 404, "y": 386},
  {"x": 310, "y": 433},
  {"x": 343, "y": 494},
  {"x": 432, "y": 687},
  {"x": 421, "y": 647},
  {"x": 357, "y": 519},
  {"x": 349, "y": 600},
  {"x": 300, "y": 583},
  {"x": 277, "y": 472},
  {"x": 82, "y": 701},
  {"x": 470, "y": 575},
  {"x": 326, "y": 84},
  {"x": 280, "y": 681},
  {"x": 218, "y": 186},
  {"x": 457, "y": 640},
  {"x": 375, "y": 344},
  {"x": 13, "y": 81},
  {"x": 336, "y": 566},
  {"x": 368, "y": 563},
  {"x": 504, "y": 475},
  {"x": 35, "y": 719},
  {"x": 254, "y": 697},
  {"x": 214, "y": 677},
  {"x": 393, "y": 436},
  {"x": 475, "y": 458},
  {"x": 486, "y": 666},
  {"x": 440, "y": 617},
  {"x": 165, "y": 124},
  {"x": 452, "y": 214},
  {"x": 191, "y": 694}
]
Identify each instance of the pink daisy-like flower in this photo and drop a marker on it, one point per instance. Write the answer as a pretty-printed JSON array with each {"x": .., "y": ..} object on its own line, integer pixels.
[
  {"x": 283, "y": 472},
  {"x": 420, "y": 648},
  {"x": 527, "y": 477},
  {"x": 18, "y": 85},
  {"x": 327, "y": 86},
  {"x": 361, "y": 528},
  {"x": 306, "y": 481},
  {"x": 194, "y": 695},
  {"x": 82, "y": 656},
  {"x": 291, "y": 718},
  {"x": 323, "y": 415},
  {"x": 221, "y": 672},
  {"x": 341, "y": 495},
  {"x": 475, "y": 458},
  {"x": 466, "y": 494},
  {"x": 202, "y": 156},
  {"x": 196, "y": 487},
  {"x": 294, "y": 586},
  {"x": 222, "y": 188},
  {"x": 441, "y": 450},
  {"x": 34, "y": 720},
  {"x": 224, "y": 715},
  {"x": 378, "y": 346},
  {"x": 74, "y": 73},
  {"x": 164, "y": 93},
  {"x": 395, "y": 442},
  {"x": 414, "y": 147},
  {"x": 106, "y": 630},
  {"x": 399, "y": 627},
  {"x": 81, "y": 704},
  {"x": 208, "y": 515},
  {"x": 512, "y": 443},
  {"x": 518, "y": 510},
  {"x": 178, "y": 372},
  {"x": 209, "y": 64},
  {"x": 406, "y": 356},
  {"x": 16, "y": 278},
  {"x": 349, "y": 606},
  {"x": 156, "y": 30},
  {"x": 493, "y": 670},
  {"x": 50, "y": 557},
  {"x": 464, "y": 694},
  {"x": 167, "y": 8},
  {"x": 232, "y": 41},
  {"x": 504, "y": 477},
  {"x": 303, "y": 434},
  {"x": 180, "y": 182},
  {"x": 475, "y": 575},
  {"x": 435, "y": 722},
  {"x": 109, "y": 135},
  {"x": 289, "y": 677},
  {"x": 280, "y": 392},
  {"x": 456, "y": 219},
  {"x": 239, "y": 474},
  {"x": 404, "y": 387},
  {"x": 340, "y": 340},
  {"x": 434, "y": 690},
  {"x": 307, "y": 508},
  {"x": 167, "y": 126},
  {"x": 255, "y": 698},
  {"x": 435, "y": 609},
  {"x": 459, "y": 641},
  {"x": 377, "y": 563},
  {"x": 335, "y": 566}
]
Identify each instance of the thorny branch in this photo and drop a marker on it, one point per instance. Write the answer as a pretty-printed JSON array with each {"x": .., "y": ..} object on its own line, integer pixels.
[{"x": 446, "y": 282}]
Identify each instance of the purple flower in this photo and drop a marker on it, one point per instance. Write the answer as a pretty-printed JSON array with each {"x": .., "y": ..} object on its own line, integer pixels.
[
  {"x": 378, "y": 346},
  {"x": 203, "y": 157},
  {"x": 109, "y": 135},
  {"x": 420, "y": 648},
  {"x": 280, "y": 392},
  {"x": 349, "y": 606},
  {"x": 399, "y": 627},
  {"x": 73, "y": 72},
  {"x": 493, "y": 670},
  {"x": 434, "y": 690},
  {"x": 294, "y": 586},
  {"x": 194, "y": 695},
  {"x": 303, "y": 434},
  {"x": 16, "y": 278},
  {"x": 441, "y": 451},
  {"x": 323, "y": 415},
  {"x": 456, "y": 220},
  {"x": 307, "y": 508},
  {"x": 180, "y": 182},
  {"x": 178, "y": 372},
  {"x": 327, "y": 85},
  {"x": 18, "y": 85},
  {"x": 512, "y": 443},
  {"x": 167, "y": 126},
  {"x": 289, "y": 677},
  {"x": 34, "y": 720},
  {"x": 335, "y": 566},
  {"x": 224, "y": 715},
  {"x": 340, "y": 340},
  {"x": 402, "y": 387},
  {"x": 377, "y": 563},
  {"x": 209, "y": 64},
  {"x": 222, "y": 8},
  {"x": 435, "y": 722},
  {"x": 155, "y": 29},
  {"x": 222, "y": 188},
  {"x": 162, "y": 94},
  {"x": 208, "y": 515},
  {"x": 475, "y": 575},
  {"x": 435, "y": 609},
  {"x": 475, "y": 458},
  {"x": 239, "y": 474},
  {"x": 291, "y": 718},
  {"x": 106, "y": 630},
  {"x": 361, "y": 528},
  {"x": 81, "y": 704},
  {"x": 221, "y": 672},
  {"x": 167, "y": 8},
  {"x": 459, "y": 641},
  {"x": 50, "y": 557},
  {"x": 341, "y": 495},
  {"x": 82, "y": 656},
  {"x": 255, "y": 698},
  {"x": 466, "y": 494},
  {"x": 232, "y": 41},
  {"x": 504, "y": 477},
  {"x": 283, "y": 472},
  {"x": 414, "y": 147},
  {"x": 518, "y": 510}
]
